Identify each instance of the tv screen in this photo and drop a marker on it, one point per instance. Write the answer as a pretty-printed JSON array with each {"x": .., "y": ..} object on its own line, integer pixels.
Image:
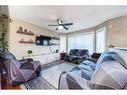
[{"x": 43, "y": 40}]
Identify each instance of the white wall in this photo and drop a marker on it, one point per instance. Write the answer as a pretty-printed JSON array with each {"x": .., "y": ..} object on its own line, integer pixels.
[
  {"x": 117, "y": 32},
  {"x": 116, "y": 29},
  {"x": 20, "y": 50}
]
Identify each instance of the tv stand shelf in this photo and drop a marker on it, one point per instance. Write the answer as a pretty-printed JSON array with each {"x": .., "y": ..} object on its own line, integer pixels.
[{"x": 45, "y": 58}]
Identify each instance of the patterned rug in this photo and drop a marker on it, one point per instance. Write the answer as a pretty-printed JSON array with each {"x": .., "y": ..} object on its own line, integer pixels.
[{"x": 49, "y": 76}]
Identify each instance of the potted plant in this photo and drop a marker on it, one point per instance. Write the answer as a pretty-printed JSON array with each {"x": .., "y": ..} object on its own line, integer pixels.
[
  {"x": 4, "y": 20},
  {"x": 29, "y": 52}
]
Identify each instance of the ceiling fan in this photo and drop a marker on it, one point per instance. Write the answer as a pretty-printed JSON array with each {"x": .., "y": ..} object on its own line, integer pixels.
[{"x": 61, "y": 25}]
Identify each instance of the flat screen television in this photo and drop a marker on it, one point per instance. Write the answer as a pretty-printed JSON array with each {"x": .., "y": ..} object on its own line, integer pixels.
[{"x": 43, "y": 40}]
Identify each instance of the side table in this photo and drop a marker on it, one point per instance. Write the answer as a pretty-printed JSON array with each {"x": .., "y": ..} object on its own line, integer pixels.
[
  {"x": 62, "y": 56},
  {"x": 96, "y": 55}
]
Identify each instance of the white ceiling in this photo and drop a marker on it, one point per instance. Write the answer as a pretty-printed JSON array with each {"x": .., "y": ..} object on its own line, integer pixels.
[{"x": 82, "y": 16}]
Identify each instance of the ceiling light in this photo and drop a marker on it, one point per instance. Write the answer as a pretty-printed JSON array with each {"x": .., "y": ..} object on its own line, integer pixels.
[
  {"x": 60, "y": 27},
  {"x": 37, "y": 34}
]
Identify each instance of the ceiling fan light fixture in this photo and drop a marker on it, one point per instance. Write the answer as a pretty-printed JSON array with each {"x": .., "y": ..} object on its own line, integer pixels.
[{"x": 60, "y": 27}]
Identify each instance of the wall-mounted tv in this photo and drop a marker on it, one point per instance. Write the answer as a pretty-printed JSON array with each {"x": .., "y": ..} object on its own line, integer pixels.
[{"x": 43, "y": 40}]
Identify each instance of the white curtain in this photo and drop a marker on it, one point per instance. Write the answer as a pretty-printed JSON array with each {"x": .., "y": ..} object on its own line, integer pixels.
[
  {"x": 71, "y": 42},
  {"x": 62, "y": 44},
  {"x": 81, "y": 41},
  {"x": 101, "y": 40},
  {"x": 89, "y": 42}
]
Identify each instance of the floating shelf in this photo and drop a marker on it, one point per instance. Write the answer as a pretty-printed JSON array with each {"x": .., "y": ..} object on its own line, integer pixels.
[
  {"x": 26, "y": 42},
  {"x": 54, "y": 38},
  {"x": 25, "y": 33},
  {"x": 54, "y": 44}
]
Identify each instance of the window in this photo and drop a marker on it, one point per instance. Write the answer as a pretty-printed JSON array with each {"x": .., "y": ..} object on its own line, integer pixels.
[
  {"x": 101, "y": 40},
  {"x": 71, "y": 43},
  {"x": 81, "y": 41},
  {"x": 62, "y": 43},
  {"x": 89, "y": 42}
]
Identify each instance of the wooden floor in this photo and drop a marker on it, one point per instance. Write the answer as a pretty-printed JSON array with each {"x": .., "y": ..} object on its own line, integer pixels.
[{"x": 6, "y": 86}]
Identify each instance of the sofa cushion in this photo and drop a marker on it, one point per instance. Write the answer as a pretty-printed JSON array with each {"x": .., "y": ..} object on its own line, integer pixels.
[
  {"x": 110, "y": 70},
  {"x": 88, "y": 63},
  {"x": 83, "y": 52},
  {"x": 78, "y": 77},
  {"x": 73, "y": 52},
  {"x": 27, "y": 66},
  {"x": 123, "y": 54},
  {"x": 125, "y": 86},
  {"x": 109, "y": 56},
  {"x": 84, "y": 70},
  {"x": 110, "y": 75},
  {"x": 104, "y": 56}
]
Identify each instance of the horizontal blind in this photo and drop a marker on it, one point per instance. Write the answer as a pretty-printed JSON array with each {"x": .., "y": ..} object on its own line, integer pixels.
[
  {"x": 101, "y": 40},
  {"x": 62, "y": 44},
  {"x": 81, "y": 41}
]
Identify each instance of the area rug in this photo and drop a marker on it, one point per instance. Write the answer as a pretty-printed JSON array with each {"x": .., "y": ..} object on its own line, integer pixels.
[{"x": 49, "y": 76}]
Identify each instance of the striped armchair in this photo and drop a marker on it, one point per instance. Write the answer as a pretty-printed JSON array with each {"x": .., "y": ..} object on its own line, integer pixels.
[{"x": 19, "y": 71}]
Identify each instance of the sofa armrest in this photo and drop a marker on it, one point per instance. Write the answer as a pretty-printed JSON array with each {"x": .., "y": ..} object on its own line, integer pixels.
[
  {"x": 25, "y": 60},
  {"x": 80, "y": 57},
  {"x": 92, "y": 59}
]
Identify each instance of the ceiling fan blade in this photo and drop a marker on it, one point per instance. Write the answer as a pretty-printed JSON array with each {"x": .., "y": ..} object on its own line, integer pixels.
[
  {"x": 56, "y": 29},
  {"x": 66, "y": 28},
  {"x": 52, "y": 25},
  {"x": 66, "y": 24},
  {"x": 59, "y": 21}
]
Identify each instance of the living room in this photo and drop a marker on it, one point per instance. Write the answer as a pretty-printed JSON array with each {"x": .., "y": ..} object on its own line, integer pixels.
[{"x": 64, "y": 48}]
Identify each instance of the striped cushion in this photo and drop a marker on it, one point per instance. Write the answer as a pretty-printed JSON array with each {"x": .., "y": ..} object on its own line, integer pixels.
[{"x": 110, "y": 75}]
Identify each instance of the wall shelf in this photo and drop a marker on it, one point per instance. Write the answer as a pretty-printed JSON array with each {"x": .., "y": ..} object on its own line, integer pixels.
[
  {"x": 54, "y": 44},
  {"x": 26, "y": 33},
  {"x": 55, "y": 38},
  {"x": 26, "y": 42}
]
